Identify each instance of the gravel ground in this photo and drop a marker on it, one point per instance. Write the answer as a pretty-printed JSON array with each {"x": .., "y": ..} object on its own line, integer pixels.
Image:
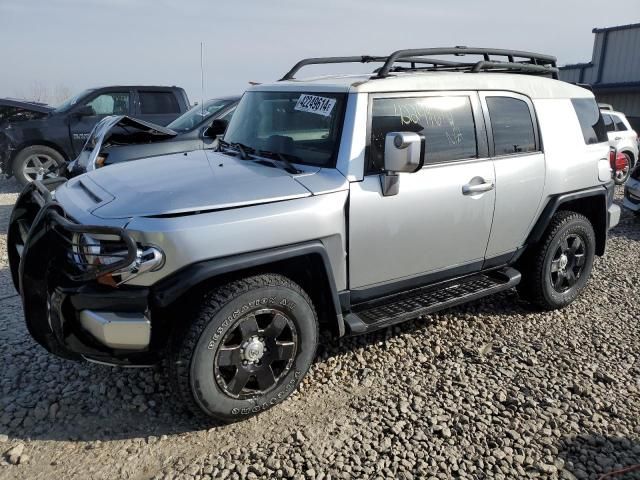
[{"x": 489, "y": 390}]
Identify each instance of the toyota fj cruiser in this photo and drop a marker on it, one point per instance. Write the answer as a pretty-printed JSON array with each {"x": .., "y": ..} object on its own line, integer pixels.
[{"x": 351, "y": 202}]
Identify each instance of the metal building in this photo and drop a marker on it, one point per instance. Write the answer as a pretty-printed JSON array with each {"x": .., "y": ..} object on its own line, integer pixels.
[{"x": 614, "y": 70}]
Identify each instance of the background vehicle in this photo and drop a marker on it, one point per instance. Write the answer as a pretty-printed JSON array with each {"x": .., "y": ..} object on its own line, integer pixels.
[
  {"x": 351, "y": 202},
  {"x": 625, "y": 140},
  {"x": 191, "y": 131},
  {"x": 632, "y": 191},
  {"x": 39, "y": 147}
]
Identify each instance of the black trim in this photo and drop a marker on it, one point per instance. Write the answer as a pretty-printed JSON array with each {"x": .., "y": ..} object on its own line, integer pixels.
[
  {"x": 554, "y": 204},
  {"x": 499, "y": 260},
  {"x": 392, "y": 287},
  {"x": 169, "y": 289}
]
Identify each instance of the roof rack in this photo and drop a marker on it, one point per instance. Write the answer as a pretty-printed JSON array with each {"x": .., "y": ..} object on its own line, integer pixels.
[{"x": 421, "y": 59}]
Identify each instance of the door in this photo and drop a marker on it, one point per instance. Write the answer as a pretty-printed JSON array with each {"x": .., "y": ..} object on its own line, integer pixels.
[
  {"x": 440, "y": 220},
  {"x": 102, "y": 104},
  {"x": 515, "y": 146},
  {"x": 157, "y": 106}
]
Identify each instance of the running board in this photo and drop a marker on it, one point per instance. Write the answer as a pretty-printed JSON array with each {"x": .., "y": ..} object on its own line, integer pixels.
[{"x": 403, "y": 306}]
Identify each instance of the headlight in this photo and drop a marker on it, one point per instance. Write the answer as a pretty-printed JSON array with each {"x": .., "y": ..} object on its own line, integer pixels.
[
  {"x": 98, "y": 250},
  {"x": 102, "y": 250}
]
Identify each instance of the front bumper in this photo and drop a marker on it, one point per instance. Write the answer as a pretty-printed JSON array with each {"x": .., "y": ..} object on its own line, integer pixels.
[
  {"x": 69, "y": 313},
  {"x": 632, "y": 195}
]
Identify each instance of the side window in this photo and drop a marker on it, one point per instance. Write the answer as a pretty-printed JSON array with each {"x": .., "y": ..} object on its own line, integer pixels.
[
  {"x": 113, "y": 103},
  {"x": 591, "y": 120},
  {"x": 512, "y": 125},
  {"x": 446, "y": 123},
  {"x": 158, "y": 103},
  {"x": 227, "y": 116},
  {"x": 608, "y": 123},
  {"x": 620, "y": 126}
]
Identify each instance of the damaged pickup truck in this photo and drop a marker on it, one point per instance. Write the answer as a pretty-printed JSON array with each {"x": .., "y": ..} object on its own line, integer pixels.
[
  {"x": 120, "y": 138},
  {"x": 36, "y": 141}
]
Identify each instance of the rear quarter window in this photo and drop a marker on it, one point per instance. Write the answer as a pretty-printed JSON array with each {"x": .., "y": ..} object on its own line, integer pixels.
[
  {"x": 591, "y": 121},
  {"x": 158, "y": 103}
]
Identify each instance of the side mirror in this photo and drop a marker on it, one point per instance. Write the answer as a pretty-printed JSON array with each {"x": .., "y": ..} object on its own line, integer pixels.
[
  {"x": 217, "y": 127},
  {"x": 85, "y": 111},
  {"x": 402, "y": 154}
]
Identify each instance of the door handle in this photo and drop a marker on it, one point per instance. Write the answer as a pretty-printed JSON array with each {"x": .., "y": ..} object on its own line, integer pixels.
[
  {"x": 618, "y": 138},
  {"x": 469, "y": 189}
]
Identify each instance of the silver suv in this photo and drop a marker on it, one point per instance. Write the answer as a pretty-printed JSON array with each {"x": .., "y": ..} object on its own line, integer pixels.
[{"x": 348, "y": 202}]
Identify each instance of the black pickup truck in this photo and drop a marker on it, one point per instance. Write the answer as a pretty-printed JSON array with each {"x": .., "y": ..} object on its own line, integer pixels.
[{"x": 36, "y": 140}]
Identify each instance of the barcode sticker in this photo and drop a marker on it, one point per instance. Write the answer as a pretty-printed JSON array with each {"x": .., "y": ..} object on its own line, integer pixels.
[{"x": 314, "y": 104}]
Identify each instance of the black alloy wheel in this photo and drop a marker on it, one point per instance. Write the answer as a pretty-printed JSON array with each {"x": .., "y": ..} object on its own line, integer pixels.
[
  {"x": 568, "y": 263},
  {"x": 256, "y": 354}
]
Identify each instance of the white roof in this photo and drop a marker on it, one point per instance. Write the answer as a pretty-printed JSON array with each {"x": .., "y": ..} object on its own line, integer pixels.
[{"x": 535, "y": 87}]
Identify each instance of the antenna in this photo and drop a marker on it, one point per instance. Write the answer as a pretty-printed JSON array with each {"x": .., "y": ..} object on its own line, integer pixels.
[{"x": 202, "y": 78}]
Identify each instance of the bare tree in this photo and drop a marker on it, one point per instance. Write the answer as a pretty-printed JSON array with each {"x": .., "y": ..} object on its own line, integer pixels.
[
  {"x": 39, "y": 92},
  {"x": 60, "y": 94}
]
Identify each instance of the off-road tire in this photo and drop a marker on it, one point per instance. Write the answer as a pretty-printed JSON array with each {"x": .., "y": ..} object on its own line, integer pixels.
[
  {"x": 536, "y": 285},
  {"x": 20, "y": 161},
  {"x": 194, "y": 351}
]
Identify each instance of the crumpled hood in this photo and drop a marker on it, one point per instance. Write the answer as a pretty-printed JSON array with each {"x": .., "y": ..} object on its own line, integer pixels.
[
  {"x": 180, "y": 183},
  {"x": 12, "y": 110}
]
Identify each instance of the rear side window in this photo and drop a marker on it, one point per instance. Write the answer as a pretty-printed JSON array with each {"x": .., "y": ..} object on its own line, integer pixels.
[
  {"x": 158, "y": 103},
  {"x": 512, "y": 125},
  {"x": 591, "y": 120},
  {"x": 447, "y": 124},
  {"x": 620, "y": 126},
  {"x": 608, "y": 123}
]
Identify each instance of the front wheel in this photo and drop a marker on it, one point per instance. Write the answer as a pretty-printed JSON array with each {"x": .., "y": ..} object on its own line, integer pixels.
[
  {"x": 558, "y": 268},
  {"x": 37, "y": 162},
  {"x": 247, "y": 348}
]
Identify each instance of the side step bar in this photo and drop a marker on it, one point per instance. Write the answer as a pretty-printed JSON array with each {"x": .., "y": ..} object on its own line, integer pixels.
[{"x": 403, "y": 306}]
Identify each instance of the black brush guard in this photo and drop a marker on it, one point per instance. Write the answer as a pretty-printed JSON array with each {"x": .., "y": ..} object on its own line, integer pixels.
[{"x": 54, "y": 285}]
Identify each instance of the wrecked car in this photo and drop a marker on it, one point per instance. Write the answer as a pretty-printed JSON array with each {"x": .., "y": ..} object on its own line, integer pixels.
[
  {"x": 37, "y": 145},
  {"x": 121, "y": 138}
]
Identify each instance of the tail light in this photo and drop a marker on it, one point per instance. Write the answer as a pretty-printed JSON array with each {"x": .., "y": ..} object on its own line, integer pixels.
[{"x": 613, "y": 155}]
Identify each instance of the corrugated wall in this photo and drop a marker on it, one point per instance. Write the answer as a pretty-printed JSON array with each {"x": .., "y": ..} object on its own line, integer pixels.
[
  {"x": 622, "y": 59},
  {"x": 628, "y": 103}
]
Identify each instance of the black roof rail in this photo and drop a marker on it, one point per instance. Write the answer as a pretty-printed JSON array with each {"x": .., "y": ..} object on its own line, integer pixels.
[{"x": 514, "y": 60}]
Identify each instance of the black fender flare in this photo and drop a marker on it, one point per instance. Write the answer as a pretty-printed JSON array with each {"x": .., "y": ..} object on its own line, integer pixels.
[
  {"x": 602, "y": 196},
  {"x": 169, "y": 289}
]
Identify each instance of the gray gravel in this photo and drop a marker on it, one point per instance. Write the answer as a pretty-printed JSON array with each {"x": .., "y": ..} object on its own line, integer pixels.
[{"x": 489, "y": 390}]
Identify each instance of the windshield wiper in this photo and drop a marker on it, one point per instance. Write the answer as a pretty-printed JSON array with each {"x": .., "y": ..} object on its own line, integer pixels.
[
  {"x": 283, "y": 158},
  {"x": 243, "y": 150}
]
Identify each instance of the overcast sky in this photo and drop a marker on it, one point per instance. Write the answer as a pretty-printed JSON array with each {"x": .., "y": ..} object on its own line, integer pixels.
[{"x": 84, "y": 43}]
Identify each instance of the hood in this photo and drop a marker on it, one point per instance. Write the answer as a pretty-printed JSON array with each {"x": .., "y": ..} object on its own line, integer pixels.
[
  {"x": 132, "y": 131},
  {"x": 12, "y": 110},
  {"x": 182, "y": 183},
  {"x": 116, "y": 130}
]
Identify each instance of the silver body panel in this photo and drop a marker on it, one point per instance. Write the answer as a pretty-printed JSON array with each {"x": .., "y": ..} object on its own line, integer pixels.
[
  {"x": 129, "y": 331},
  {"x": 215, "y": 206}
]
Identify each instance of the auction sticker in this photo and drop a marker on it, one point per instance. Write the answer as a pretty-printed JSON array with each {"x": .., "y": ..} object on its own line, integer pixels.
[{"x": 314, "y": 104}]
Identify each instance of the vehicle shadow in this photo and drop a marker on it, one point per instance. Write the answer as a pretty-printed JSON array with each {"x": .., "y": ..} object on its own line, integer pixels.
[{"x": 599, "y": 457}]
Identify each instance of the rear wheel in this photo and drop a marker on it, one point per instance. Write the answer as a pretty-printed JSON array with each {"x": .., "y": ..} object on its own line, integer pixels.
[
  {"x": 247, "y": 349},
  {"x": 37, "y": 163},
  {"x": 557, "y": 270}
]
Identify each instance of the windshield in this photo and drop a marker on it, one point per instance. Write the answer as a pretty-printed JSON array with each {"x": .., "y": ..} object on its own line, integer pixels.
[
  {"x": 297, "y": 125},
  {"x": 199, "y": 114},
  {"x": 70, "y": 102}
]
